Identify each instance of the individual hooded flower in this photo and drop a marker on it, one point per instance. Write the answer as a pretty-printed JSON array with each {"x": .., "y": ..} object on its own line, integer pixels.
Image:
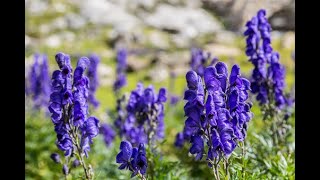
[
  {"x": 108, "y": 134},
  {"x": 179, "y": 140},
  {"x": 75, "y": 163},
  {"x": 197, "y": 146},
  {"x": 139, "y": 160},
  {"x": 65, "y": 169},
  {"x": 124, "y": 155},
  {"x": 133, "y": 159},
  {"x": 174, "y": 99},
  {"x": 120, "y": 71},
  {"x": 89, "y": 131},
  {"x": 55, "y": 157},
  {"x": 93, "y": 79},
  {"x": 142, "y": 116}
]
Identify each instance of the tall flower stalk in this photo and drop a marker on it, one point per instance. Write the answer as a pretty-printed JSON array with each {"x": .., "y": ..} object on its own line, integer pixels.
[
  {"x": 69, "y": 111},
  {"x": 268, "y": 75},
  {"x": 121, "y": 80},
  {"x": 93, "y": 79},
  {"x": 39, "y": 82},
  {"x": 217, "y": 114}
]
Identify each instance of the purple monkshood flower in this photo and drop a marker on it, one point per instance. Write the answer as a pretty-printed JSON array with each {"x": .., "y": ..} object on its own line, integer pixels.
[
  {"x": 268, "y": 75},
  {"x": 121, "y": 70},
  {"x": 199, "y": 60},
  {"x": 142, "y": 115},
  {"x": 65, "y": 169},
  {"x": 69, "y": 109},
  {"x": 174, "y": 99},
  {"x": 39, "y": 81},
  {"x": 55, "y": 157},
  {"x": 216, "y": 108},
  {"x": 108, "y": 133},
  {"x": 133, "y": 159},
  {"x": 93, "y": 79}
]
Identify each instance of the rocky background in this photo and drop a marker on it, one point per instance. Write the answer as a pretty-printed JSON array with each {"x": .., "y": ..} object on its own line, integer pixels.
[{"x": 155, "y": 31}]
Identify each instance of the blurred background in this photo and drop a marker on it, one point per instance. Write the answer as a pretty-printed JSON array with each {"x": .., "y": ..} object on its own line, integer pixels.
[{"x": 158, "y": 35}]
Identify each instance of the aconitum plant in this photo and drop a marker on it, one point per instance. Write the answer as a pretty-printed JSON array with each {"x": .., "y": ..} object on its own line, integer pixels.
[
  {"x": 133, "y": 159},
  {"x": 69, "y": 112},
  {"x": 217, "y": 113},
  {"x": 268, "y": 75},
  {"x": 93, "y": 79},
  {"x": 142, "y": 120},
  {"x": 121, "y": 80},
  {"x": 39, "y": 81}
]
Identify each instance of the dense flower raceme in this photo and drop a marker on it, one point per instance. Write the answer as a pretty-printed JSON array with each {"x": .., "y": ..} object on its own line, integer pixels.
[
  {"x": 69, "y": 109},
  {"x": 39, "y": 81},
  {"x": 133, "y": 159},
  {"x": 121, "y": 70},
  {"x": 268, "y": 76},
  {"x": 217, "y": 114},
  {"x": 93, "y": 79},
  {"x": 141, "y": 118},
  {"x": 199, "y": 60}
]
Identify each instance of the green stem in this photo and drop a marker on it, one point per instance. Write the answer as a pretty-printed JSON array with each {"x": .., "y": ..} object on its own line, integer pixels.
[
  {"x": 216, "y": 171},
  {"x": 82, "y": 162},
  {"x": 243, "y": 160},
  {"x": 226, "y": 165},
  {"x": 75, "y": 141}
]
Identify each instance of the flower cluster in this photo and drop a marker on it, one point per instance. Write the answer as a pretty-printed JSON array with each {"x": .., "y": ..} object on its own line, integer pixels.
[
  {"x": 121, "y": 68},
  {"x": 217, "y": 114},
  {"x": 69, "y": 109},
  {"x": 133, "y": 159},
  {"x": 39, "y": 81},
  {"x": 93, "y": 79},
  {"x": 199, "y": 60},
  {"x": 268, "y": 76},
  {"x": 108, "y": 133},
  {"x": 142, "y": 120}
]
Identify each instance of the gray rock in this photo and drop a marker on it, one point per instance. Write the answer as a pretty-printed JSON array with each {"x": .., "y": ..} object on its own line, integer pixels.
[
  {"x": 37, "y": 7},
  {"x": 288, "y": 40},
  {"x": 102, "y": 12},
  {"x": 284, "y": 19},
  {"x": 75, "y": 21},
  {"x": 159, "y": 40},
  {"x": 55, "y": 40},
  {"x": 106, "y": 75},
  {"x": 223, "y": 50},
  {"x": 137, "y": 63},
  {"x": 183, "y": 20},
  {"x": 181, "y": 40},
  {"x": 236, "y": 13},
  {"x": 159, "y": 73},
  {"x": 225, "y": 37},
  {"x": 174, "y": 59},
  {"x": 59, "y": 23}
]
